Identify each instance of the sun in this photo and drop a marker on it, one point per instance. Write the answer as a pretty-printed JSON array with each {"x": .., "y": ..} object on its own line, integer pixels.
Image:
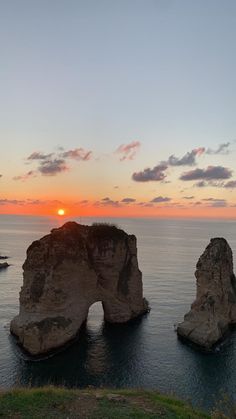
[{"x": 61, "y": 211}]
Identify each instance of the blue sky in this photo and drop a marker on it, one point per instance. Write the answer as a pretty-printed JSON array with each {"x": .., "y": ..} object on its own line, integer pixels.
[{"x": 98, "y": 74}]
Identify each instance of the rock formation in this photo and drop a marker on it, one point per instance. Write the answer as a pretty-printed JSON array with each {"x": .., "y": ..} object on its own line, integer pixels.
[
  {"x": 66, "y": 272},
  {"x": 214, "y": 309}
]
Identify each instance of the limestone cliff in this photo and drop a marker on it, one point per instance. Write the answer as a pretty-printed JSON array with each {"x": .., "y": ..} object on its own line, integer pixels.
[
  {"x": 214, "y": 309},
  {"x": 66, "y": 272}
]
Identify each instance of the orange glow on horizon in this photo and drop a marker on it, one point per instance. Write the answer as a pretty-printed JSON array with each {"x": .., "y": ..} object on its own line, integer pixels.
[{"x": 133, "y": 211}]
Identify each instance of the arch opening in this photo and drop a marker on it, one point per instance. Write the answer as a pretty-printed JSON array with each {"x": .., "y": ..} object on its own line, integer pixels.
[{"x": 95, "y": 318}]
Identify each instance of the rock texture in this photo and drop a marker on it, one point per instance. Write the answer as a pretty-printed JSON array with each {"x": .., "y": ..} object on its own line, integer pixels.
[
  {"x": 214, "y": 309},
  {"x": 65, "y": 273}
]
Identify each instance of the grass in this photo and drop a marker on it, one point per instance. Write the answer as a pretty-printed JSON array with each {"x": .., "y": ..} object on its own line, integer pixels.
[
  {"x": 104, "y": 225},
  {"x": 56, "y": 402}
]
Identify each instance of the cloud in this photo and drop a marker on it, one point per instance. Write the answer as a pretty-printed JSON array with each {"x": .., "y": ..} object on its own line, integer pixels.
[
  {"x": 188, "y": 197},
  {"x": 189, "y": 159},
  {"x": 218, "y": 203},
  {"x": 201, "y": 184},
  {"x": 147, "y": 175},
  {"x": 128, "y": 151},
  {"x": 148, "y": 204},
  {"x": 54, "y": 163},
  {"x": 83, "y": 202},
  {"x": 107, "y": 202},
  {"x": 35, "y": 202},
  {"x": 53, "y": 167},
  {"x": 26, "y": 176},
  {"x": 222, "y": 149},
  {"x": 231, "y": 184},
  {"x": 212, "y": 202},
  {"x": 77, "y": 154},
  {"x": 213, "y": 199},
  {"x": 128, "y": 200},
  {"x": 211, "y": 173},
  {"x": 157, "y": 173},
  {"x": 37, "y": 155},
  {"x": 11, "y": 202},
  {"x": 145, "y": 204},
  {"x": 159, "y": 199},
  {"x": 210, "y": 183},
  {"x": 29, "y": 201}
]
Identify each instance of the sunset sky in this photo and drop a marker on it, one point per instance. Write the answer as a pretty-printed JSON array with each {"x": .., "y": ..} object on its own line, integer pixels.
[{"x": 118, "y": 108}]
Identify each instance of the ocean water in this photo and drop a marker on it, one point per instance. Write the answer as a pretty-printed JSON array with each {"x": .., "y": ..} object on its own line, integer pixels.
[{"x": 142, "y": 354}]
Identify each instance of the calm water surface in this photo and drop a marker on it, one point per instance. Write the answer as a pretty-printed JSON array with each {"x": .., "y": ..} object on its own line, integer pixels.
[{"x": 144, "y": 353}]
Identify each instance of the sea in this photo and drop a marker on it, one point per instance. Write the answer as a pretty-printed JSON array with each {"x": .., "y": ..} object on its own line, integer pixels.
[{"x": 145, "y": 353}]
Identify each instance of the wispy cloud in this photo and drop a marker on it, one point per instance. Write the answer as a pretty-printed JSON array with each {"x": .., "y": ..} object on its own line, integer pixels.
[
  {"x": 216, "y": 203},
  {"x": 189, "y": 159},
  {"x": 128, "y": 151},
  {"x": 107, "y": 202},
  {"x": 201, "y": 184},
  {"x": 26, "y": 176},
  {"x": 37, "y": 155},
  {"x": 222, "y": 149},
  {"x": 83, "y": 202},
  {"x": 231, "y": 184},
  {"x": 25, "y": 202},
  {"x": 11, "y": 202},
  {"x": 212, "y": 203},
  {"x": 160, "y": 199},
  {"x": 128, "y": 200},
  {"x": 77, "y": 154}
]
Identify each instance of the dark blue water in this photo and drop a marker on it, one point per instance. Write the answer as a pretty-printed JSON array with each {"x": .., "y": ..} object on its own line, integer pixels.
[{"x": 145, "y": 353}]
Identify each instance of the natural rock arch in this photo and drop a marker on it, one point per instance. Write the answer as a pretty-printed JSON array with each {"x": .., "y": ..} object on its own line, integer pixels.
[{"x": 69, "y": 270}]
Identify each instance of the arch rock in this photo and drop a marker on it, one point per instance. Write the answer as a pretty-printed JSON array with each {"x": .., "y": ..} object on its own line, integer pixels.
[{"x": 66, "y": 272}]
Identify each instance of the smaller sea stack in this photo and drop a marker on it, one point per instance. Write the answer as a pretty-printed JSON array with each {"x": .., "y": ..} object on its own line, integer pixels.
[{"x": 214, "y": 309}]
